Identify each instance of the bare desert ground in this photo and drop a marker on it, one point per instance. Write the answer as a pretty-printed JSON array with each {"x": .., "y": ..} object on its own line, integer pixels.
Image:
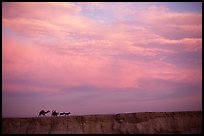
[{"x": 124, "y": 123}]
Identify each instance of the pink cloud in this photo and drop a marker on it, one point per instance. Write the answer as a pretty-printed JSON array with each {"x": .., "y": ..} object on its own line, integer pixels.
[
  {"x": 166, "y": 22},
  {"x": 169, "y": 17},
  {"x": 94, "y": 5},
  {"x": 58, "y": 24},
  {"x": 94, "y": 71},
  {"x": 188, "y": 44},
  {"x": 192, "y": 44},
  {"x": 25, "y": 88},
  {"x": 15, "y": 10},
  {"x": 54, "y": 48},
  {"x": 100, "y": 71},
  {"x": 118, "y": 38}
]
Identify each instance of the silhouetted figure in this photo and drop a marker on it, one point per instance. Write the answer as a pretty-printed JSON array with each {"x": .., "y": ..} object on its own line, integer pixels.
[
  {"x": 62, "y": 113},
  {"x": 54, "y": 113},
  {"x": 42, "y": 112},
  {"x": 66, "y": 113}
]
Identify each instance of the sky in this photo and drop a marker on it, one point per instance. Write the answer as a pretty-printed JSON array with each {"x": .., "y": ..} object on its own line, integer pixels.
[{"x": 101, "y": 57}]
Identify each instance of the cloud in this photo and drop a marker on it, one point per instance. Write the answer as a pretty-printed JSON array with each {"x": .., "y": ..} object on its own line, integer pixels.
[
  {"x": 98, "y": 70},
  {"x": 88, "y": 32},
  {"x": 61, "y": 23},
  {"x": 188, "y": 44},
  {"x": 62, "y": 51},
  {"x": 177, "y": 25},
  {"x": 15, "y": 10}
]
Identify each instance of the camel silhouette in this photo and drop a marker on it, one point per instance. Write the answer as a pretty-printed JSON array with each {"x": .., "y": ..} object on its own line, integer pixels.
[
  {"x": 42, "y": 112},
  {"x": 54, "y": 113},
  {"x": 64, "y": 113}
]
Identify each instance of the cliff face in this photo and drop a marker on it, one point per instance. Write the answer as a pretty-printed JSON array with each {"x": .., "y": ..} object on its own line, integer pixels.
[{"x": 145, "y": 123}]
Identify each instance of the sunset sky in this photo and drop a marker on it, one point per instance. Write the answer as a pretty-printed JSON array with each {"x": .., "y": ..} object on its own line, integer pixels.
[{"x": 101, "y": 58}]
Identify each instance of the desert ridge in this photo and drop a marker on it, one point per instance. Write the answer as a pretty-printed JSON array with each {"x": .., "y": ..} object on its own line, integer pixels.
[{"x": 188, "y": 122}]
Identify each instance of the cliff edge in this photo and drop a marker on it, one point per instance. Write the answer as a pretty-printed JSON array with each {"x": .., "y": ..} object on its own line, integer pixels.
[{"x": 137, "y": 123}]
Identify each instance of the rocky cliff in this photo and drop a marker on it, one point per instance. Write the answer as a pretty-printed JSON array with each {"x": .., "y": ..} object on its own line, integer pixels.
[{"x": 142, "y": 122}]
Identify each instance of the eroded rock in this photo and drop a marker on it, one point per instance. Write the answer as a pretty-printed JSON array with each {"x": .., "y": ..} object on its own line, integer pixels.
[{"x": 129, "y": 123}]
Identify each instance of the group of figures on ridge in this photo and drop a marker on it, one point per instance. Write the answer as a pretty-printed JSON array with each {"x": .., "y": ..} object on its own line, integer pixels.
[{"x": 54, "y": 113}]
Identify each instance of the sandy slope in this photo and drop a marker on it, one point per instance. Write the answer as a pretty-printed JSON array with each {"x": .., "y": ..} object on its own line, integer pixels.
[{"x": 143, "y": 122}]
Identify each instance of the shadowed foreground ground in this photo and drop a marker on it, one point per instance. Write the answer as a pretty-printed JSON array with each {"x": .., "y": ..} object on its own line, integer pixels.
[{"x": 143, "y": 122}]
